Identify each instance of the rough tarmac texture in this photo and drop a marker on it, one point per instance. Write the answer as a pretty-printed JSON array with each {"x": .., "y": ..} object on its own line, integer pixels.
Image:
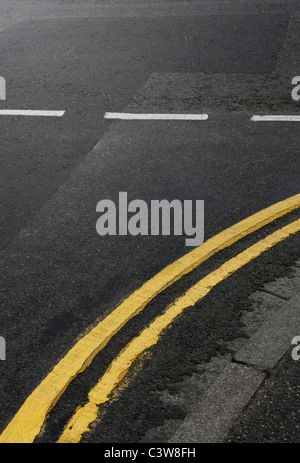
[
  {"x": 274, "y": 415},
  {"x": 236, "y": 166},
  {"x": 226, "y": 400}
]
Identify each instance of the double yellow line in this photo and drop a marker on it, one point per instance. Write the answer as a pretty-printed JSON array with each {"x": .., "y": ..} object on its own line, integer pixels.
[{"x": 27, "y": 423}]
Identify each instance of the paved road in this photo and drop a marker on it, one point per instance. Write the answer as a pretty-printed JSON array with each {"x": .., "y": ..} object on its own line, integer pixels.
[
  {"x": 277, "y": 405},
  {"x": 58, "y": 277}
]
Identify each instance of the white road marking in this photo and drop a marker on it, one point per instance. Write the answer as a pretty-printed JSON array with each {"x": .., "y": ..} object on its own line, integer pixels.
[
  {"x": 157, "y": 117},
  {"x": 25, "y": 112},
  {"x": 276, "y": 118}
]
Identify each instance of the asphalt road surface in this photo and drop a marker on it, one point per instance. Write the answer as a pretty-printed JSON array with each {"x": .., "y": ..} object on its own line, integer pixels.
[{"x": 230, "y": 60}]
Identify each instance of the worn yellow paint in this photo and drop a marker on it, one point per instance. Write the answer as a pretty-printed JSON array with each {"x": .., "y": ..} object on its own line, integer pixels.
[
  {"x": 87, "y": 414},
  {"x": 27, "y": 422}
]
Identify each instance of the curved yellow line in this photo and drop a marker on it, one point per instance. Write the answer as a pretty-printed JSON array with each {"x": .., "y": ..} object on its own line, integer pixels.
[
  {"x": 87, "y": 414},
  {"x": 27, "y": 422}
]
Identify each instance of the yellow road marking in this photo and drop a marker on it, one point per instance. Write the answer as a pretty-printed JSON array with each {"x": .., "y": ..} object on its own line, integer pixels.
[
  {"x": 84, "y": 416},
  {"x": 27, "y": 422}
]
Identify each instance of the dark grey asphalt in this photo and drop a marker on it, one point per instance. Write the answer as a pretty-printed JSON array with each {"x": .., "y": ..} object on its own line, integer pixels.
[
  {"x": 273, "y": 417},
  {"x": 57, "y": 275},
  {"x": 89, "y": 66}
]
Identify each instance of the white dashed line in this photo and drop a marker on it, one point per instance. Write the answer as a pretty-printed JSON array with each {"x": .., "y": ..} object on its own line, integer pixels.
[
  {"x": 25, "y": 112},
  {"x": 157, "y": 117},
  {"x": 276, "y": 118}
]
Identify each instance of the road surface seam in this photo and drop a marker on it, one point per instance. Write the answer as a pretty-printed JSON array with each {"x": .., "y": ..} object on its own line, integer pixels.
[
  {"x": 275, "y": 294},
  {"x": 231, "y": 392}
]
